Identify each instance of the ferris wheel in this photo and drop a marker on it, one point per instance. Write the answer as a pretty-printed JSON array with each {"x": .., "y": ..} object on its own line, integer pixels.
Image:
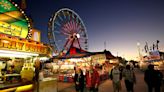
[{"x": 66, "y": 29}]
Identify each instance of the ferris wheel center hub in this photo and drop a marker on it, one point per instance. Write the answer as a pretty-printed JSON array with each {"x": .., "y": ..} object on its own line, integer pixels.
[{"x": 78, "y": 35}]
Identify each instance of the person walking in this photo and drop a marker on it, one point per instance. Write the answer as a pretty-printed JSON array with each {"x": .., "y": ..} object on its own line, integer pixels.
[
  {"x": 158, "y": 80},
  {"x": 153, "y": 79},
  {"x": 38, "y": 68},
  {"x": 79, "y": 80},
  {"x": 129, "y": 77},
  {"x": 116, "y": 77},
  {"x": 149, "y": 77},
  {"x": 92, "y": 79}
]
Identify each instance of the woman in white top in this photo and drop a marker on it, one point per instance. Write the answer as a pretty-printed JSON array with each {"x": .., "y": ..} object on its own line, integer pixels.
[{"x": 116, "y": 77}]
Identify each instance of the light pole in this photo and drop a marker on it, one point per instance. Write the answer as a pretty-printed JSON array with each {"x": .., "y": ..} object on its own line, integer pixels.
[{"x": 139, "y": 53}]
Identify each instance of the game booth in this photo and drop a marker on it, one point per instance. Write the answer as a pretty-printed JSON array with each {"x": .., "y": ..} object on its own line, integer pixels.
[
  {"x": 66, "y": 64},
  {"x": 76, "y": 57}
]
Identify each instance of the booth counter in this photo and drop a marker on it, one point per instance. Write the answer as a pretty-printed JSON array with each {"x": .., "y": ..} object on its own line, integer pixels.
[{"x": 17, "y": 87}]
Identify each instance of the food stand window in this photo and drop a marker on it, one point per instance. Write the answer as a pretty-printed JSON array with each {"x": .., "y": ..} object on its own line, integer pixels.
[
  {"x": 10, "y": 71},
  {"x": 19, "y": 60}
]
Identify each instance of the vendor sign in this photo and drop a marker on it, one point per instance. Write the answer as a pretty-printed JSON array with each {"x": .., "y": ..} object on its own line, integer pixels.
[
  {"x": 98, "y": 58},
  {"x": 154, "y": 55},
  {"x": 13, "y": 21},
  {"x": 13, "y": 43},
  {"x": 35, "y": 35}
]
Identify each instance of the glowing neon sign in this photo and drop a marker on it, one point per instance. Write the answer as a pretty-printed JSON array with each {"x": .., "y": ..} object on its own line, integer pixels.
[{"x": 12, "y": 20}]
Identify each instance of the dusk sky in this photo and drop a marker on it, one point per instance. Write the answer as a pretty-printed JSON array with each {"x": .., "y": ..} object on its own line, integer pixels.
[{"x": 121, "y": 23}]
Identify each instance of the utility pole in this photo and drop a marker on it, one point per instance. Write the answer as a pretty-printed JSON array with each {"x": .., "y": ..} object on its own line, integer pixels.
[{"x": 105, "y": 45}]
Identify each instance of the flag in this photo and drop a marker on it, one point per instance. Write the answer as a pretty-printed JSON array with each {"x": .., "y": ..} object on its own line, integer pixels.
[
  {"x": 157, "y": 44},
  {"x": 153, "y": 46},
  {"x": 145, "y": 49}
]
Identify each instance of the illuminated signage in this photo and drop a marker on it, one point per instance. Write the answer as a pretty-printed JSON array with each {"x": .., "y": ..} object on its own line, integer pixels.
[
  {"x": 154, "y": 55},
  {"x": 19, "y": 45},
  {"x": 99, "y": 58},
  {"x": 12, "y": 20},
  {"x": 11, "y": 29},
  {"x": 35, "y": 35}
]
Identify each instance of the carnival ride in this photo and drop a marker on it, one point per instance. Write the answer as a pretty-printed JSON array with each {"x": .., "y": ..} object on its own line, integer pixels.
[{"x": 66, "y": 29}]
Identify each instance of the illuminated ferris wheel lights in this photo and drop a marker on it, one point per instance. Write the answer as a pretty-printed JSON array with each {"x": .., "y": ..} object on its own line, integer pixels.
[
  {"x": 78, "y": 35},
  {"x": 67, "y": 29},
  {"x": 16, "y": 5},
  {"x": 22, "y": 11}
]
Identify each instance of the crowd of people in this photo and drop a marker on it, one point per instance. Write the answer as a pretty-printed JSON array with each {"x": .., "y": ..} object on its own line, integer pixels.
[
  {"x": 117, "y": 74},
  {"x": 91, "y": 80}
]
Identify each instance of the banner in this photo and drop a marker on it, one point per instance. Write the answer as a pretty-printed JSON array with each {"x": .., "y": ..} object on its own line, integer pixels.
[{"x": 154, "y": 55}]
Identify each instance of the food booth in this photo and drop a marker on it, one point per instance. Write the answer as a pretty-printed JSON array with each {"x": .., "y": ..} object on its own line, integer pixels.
[
  {"x": 76, "y": 57},
  {"x": 103, "y": 59},
  {"x": 65, "y": 64},
  {"x": 20, "y": 49},
  {"x": 154, "y": 57},
  {"x": 17, "y": 60}
]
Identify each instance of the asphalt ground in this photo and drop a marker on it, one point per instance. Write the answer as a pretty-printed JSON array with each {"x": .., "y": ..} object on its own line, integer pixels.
[{"x": 106, "y": 86}]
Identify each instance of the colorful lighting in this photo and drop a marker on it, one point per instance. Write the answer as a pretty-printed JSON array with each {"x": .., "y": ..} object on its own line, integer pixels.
[
  {"x": 13, "y": 55},
  {"x": 5, "y": 41},
  {"x": 17, "y": 53}
]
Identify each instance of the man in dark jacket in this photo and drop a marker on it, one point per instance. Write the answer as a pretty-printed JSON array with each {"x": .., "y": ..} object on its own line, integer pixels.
[
  {"x": 153, "y": 79},
  {"x": 79, "y": 80}
]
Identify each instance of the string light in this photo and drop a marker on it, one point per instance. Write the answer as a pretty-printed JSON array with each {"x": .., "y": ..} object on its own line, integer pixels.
[
  {"x": 29, "y": 26},
  {"x": 16, "y": 5}
]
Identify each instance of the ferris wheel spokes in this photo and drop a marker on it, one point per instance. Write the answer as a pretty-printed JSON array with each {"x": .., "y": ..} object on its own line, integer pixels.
[{"x": 67, "y": 30}]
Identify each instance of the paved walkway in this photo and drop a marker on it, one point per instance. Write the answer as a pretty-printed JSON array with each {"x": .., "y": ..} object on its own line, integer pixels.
[
  {"x": 139, "y": 87},
  {"x": 106, "y": 86}
]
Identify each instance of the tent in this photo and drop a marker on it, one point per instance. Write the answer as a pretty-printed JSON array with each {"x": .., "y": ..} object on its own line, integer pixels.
[
  {"x": 73, "y": 52},
  {"x": 107, "y": 54}
]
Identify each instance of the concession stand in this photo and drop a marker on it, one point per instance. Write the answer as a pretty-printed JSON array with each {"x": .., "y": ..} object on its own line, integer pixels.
[
  {"x": 65, "y": 64},
  {"x": 103, "y": 60},
  {"x": 20, "y": 49},
  {"x": 17, "y": 60},
  {"x": 76, "y": 57}
]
